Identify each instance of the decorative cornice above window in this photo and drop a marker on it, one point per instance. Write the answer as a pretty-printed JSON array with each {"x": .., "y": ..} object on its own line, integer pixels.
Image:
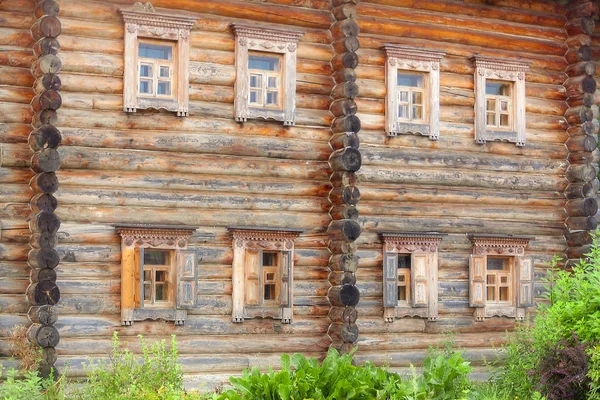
[
  {"x": 499, "y": 244},
  {"x": 500, "y": 64},
  {"x": 413, "y": 53},
  {"x": 267, "y": 33},
  {"x": 411, "y": 241},
  {"x": 147, "y": 15},
  {"x": 267, "y": 238},
  {"x": 158, "y": 236}
]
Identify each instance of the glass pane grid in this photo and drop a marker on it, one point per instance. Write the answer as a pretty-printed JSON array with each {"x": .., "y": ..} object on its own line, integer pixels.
[{"x": 411, "y": 104}]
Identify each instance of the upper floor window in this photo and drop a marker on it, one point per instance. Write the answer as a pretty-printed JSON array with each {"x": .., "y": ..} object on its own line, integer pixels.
[
  {"x": 410, "y": 270},
  {"x": 263, "y": 268},
  {"x": 156, "y": 55},
  {"x": 158, "y": 273},
  {"x": 501, "y": 277},
  {"x": 499, "y": 100},
  {"x": 412, "y": 102},
  {"x": 265, "y": 62}
]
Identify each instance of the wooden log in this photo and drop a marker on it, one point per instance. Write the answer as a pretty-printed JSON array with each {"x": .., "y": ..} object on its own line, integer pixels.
[
  {"x": 342, "y": 246},
  {"x": 581, "y": 25},
  {"x": 43, "y": 258},
  {"x": 346, "y": 315},
  {"x": 48, "y": 356},
  {"x": 48, "y": 64},
  {"x": 337, "y": 3},
  {"x": 345, "y": 60},
  {"x": 46, "y": 182},
  {"x": 344, "y": 75},
  {"x": 577, "y": 239},
  {"x": 44, "y": 222},
  {"x": 44, "y": 335},
  {"x": 46, "y": 26},
  {"x": 345, "y": 332},
  {"x": 344, "y": 262},
  {"x": 582, "y": 207},
  {"x": 348, "y": 230},
  {"x": 582, "y": 173},
  {"x": 578, "y": 252},
  {"x": 582, "y": 143},
  {"x": 582, "y": 10},
  {"x": 350, "y": 123},
  {"x": 344, "y": 90},
  {"x": 343, "y": 212},
  {"x": 48, "y": 99},
  {"x": 43, "y": 293},
  {"x": 43, "y": 240},
  {"x": 343, "y": 140},
  {"x": 347, "y": 159},
  {"x": 46, "y": 7},
  {"x": 43, "y": 202},
  {"x": 340, "y": 278},
  {"x": 585, "y": 157},
  {"x": 581, "y": 68},
  {"x": 345, "y": 195},
  {"x": 574, "y": 224},
  {"x": 582, "y": 190},
  {"x": 46, "y": 46},
  {"x": 344, "y": 28},
  {"x": 47, "y": 160},
  {"x": 577, "y": 86},
  {"x": 44, "y": 117},
  {"x": 345, "y": 295},
  {"x": 46, "y": 136},
  {"x": 343, "y": 178},
  {"x": 579, "y": 115},
  {"x": 47, "y": 82},
  {"x": 344, "y": 11},
  {"x": 46, "y": 274},
  {"x": 343, "y": 107},
  {"x": 347, "y": 44}
]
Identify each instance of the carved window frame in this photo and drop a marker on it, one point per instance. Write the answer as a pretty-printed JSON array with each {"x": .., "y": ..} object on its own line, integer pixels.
[
  {"x": 411, "y": 59},
  {"x": 267, "y": 40},
  {"x": 184, "y": 276},
  {"x": 423, "y": 246},
  {"x": 522, "y": 275},
  {"x": 253, "y": 239},
  {"x": 510, "y": 71},
  {"x": 142, "y": 21}
]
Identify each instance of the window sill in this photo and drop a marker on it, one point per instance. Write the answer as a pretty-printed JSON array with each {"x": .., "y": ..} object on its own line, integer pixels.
[
  {"x": 265, "y": 113},
  {"x": 143, "y": 103},
  {"x": 142, "y": 314},
  {"x": 390, "y": 314},
  {"x": 409, "y": 128},
  {"x": 501, "y": 136}
]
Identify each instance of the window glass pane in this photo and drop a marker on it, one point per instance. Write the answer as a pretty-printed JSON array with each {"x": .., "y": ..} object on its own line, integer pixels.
[
  {"x": 412, "y": 80},
  {"x": 270, "y": 292},
  {"x": 147, "y": 276},
  {"x": 403, "y": 261},
  {"x": 497, "y": 88},
  {"x": 403, "y": 96},
  {"x": 161, "y": 276},
  {"x": 417, "y": 112},
  {"x": 145, "y": 86},
  {"x": 503, "y": 105},
  {"x": 491, "y": 293},
  {"x": 155, "y": 257},
  {"x": 403, "y": 112},
  {"x": 164, "y": 88},
  {"x": 164, "y": 72},
  {"x": 156, "y": 51},
  {"x": 263, "y": 62},
  {"x": 417, "y": 98},
  {"x": 497, "y": 264},
  {"x": 271, "y": 82},
  {"x": 491, "y": 279},
  {"x": 146, "y": 70},
  {"x": 491, "y": 119},
  {"x": 503, "y": 294},
  {"x": 271, "y": 97},
  {"x": 269, "y": 259},
  {"x": 504, "y": 121},
  {"x": 147, "y": 291},
  {"x": 402, "y": 293},
  {"x": 270, "y": 276},
  {"x": 491, "y": 105},
  {"x": 255, "y": 81},
  {"x": 254, "y": 95},
  {"x": 161, "y": 292}
]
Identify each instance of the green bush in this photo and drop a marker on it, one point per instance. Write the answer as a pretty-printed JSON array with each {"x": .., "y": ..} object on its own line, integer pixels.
[{"x": 30, "y": 386}]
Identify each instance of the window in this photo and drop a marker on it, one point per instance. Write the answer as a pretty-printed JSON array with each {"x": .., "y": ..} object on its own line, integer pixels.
[
  {"x": 156, "y": 56},
  {"x": 410, "y": 267},
  {"x": 412, "y": 103},
  {"x": 265, "y": 60},
  {"x": 158, "y": 273},
  {"x": 499, "y": 100},
  {"x": 501, "y": 277},
  {"x": 263, "y": 264}
]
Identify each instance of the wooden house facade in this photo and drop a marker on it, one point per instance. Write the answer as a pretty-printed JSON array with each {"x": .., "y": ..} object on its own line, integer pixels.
[{"x": 261, "y": 177}]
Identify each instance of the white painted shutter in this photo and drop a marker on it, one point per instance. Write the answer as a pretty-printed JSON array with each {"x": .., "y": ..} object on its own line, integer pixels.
[
  {"x": 286, "y": 279},
  {"x": 525, "y": 296},
  {"x": 390, "y": 279},
  {"x": 252, "y": 263},
  {"x": 477, "y": 272},
  {"x": 419, "y": 280},
  {"x": 187, "y": 279}
]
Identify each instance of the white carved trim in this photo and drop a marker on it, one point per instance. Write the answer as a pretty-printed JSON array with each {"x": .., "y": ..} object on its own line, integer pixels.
[
  {"x": 143, "y": 20},
  {"x": 504, "y": 70},
  {"x": 406, "y": 58},
  {"x": 270, "y": 40},
  {"x": 411, "y": 242},
  {"x": 499, "y": 245},
  {"x": 155, "y": 237}
]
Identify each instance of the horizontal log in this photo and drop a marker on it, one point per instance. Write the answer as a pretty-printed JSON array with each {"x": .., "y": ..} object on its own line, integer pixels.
[
  {"x": 582, "y": 190},
  {"x": 46, "y": 274},
  {"x": 343, "y": 107},
  {"x": 575, "y": 224},
  {"x": 577, "y": 239},
  {"x": 344, "y": 60},
  {"x": 340, "y": 278},
  {"x": 43, "y": 293},
  {"x": 582, "y": 143},
  {"x": 46, "y": 26},
  {"x": 344, "y": 28},
  {"x": 343, "y": 212},
  {"x": 347, "y": 159},
  {"x": 585, "y": 157},
  {"x": 345, "y": 139},
  {"x": 43, "y": 335},
  {"x": 43, "y": 202},
  {"x": 582, "y": 207},
  {"x": 46, "y": 136},
  {"x": 48, "y": 64},
  {"x": 578, "y": 252},
  {"x": 43, "y": 258},
  {"x": 342, "y": 246},
  {"x": 46, "y": 182},
  {"x": 348, "y": 230},
  {"x": 346, "y": 89},
  {"x": 583, "y": 9},
  {"x": 46, "y": 45},
  {"x": 579, "y": 115},
  {"x": 343, "y": 178},
  {"x": 46, "y": 7},
  {"x": 44, "y": 117},
  {"x": 344, "y": 75},
  {"x": 344, "y": 11},
  {"x": 350, "y": 123},
  {"x": 577, "y": 86},
  {"x": 347, "y": 262},
  {"x": 48, "y": 99},
  {"x": 40, "y": 240},
  {"x": 44, "y": 222},
  {"x": 582, "y": 173},
  {"x": 346, "y": 332},
  {"x": 345, "y": 295},
  {"x": 581, "y": 68},
  {"x": 346, "y": 195},
  {"x": 50, "y": 82},
  {"x": 347, "y": 44},
  {"x": 582, "y": 25}
]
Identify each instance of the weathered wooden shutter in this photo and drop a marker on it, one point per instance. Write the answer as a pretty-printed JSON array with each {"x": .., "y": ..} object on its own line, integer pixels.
[
  {"x": 525, "y": 296},
  {"x": 390, "y": 279},
  {"x": 187, "y": 279},
  {"x": 139, "y": 277},
  {"x": 419, "y": 280},
  {"x": 286, "y": 279},
  {"x": 477, "y": 271},
  {"x": 252, "y": 262}
]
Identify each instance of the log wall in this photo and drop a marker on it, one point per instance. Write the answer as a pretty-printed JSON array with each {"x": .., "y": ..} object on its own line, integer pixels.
[{"x": 453, "y": 185}]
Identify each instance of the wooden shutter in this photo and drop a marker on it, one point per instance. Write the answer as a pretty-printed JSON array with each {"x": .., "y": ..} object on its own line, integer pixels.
[
  {"x": 525, "y": 296},
  {"x": 390, "y": 279},
  {"x": 138, "y": 260},
  {"x": 419, "y": 280},
  {"x": 252, "y": 262},
  {"x": 286, "y": 279},
  {"x": 187, "y": 279},
  {"x": 477, "y": 271}
]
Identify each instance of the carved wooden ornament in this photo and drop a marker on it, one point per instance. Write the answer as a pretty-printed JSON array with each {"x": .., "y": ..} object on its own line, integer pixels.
[
  {"x": 267, "y": 40},
  {"x": 411, "y": 59},
  {"x": 145, "y": 21}
]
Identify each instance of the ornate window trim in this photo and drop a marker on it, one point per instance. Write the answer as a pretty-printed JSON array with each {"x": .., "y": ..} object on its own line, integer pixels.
[
  {"x": 522, "y": 273},
  {"x": 499, "y": 69},
  {"x": 423, "y": 248},
  {"x": 267, "y": 40},
  {"x": 258, "y": 239},
  {"x": 145, "y": 21},
  {"x": 185, "y": 276},
  {"x": 411, "y": 59}
]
